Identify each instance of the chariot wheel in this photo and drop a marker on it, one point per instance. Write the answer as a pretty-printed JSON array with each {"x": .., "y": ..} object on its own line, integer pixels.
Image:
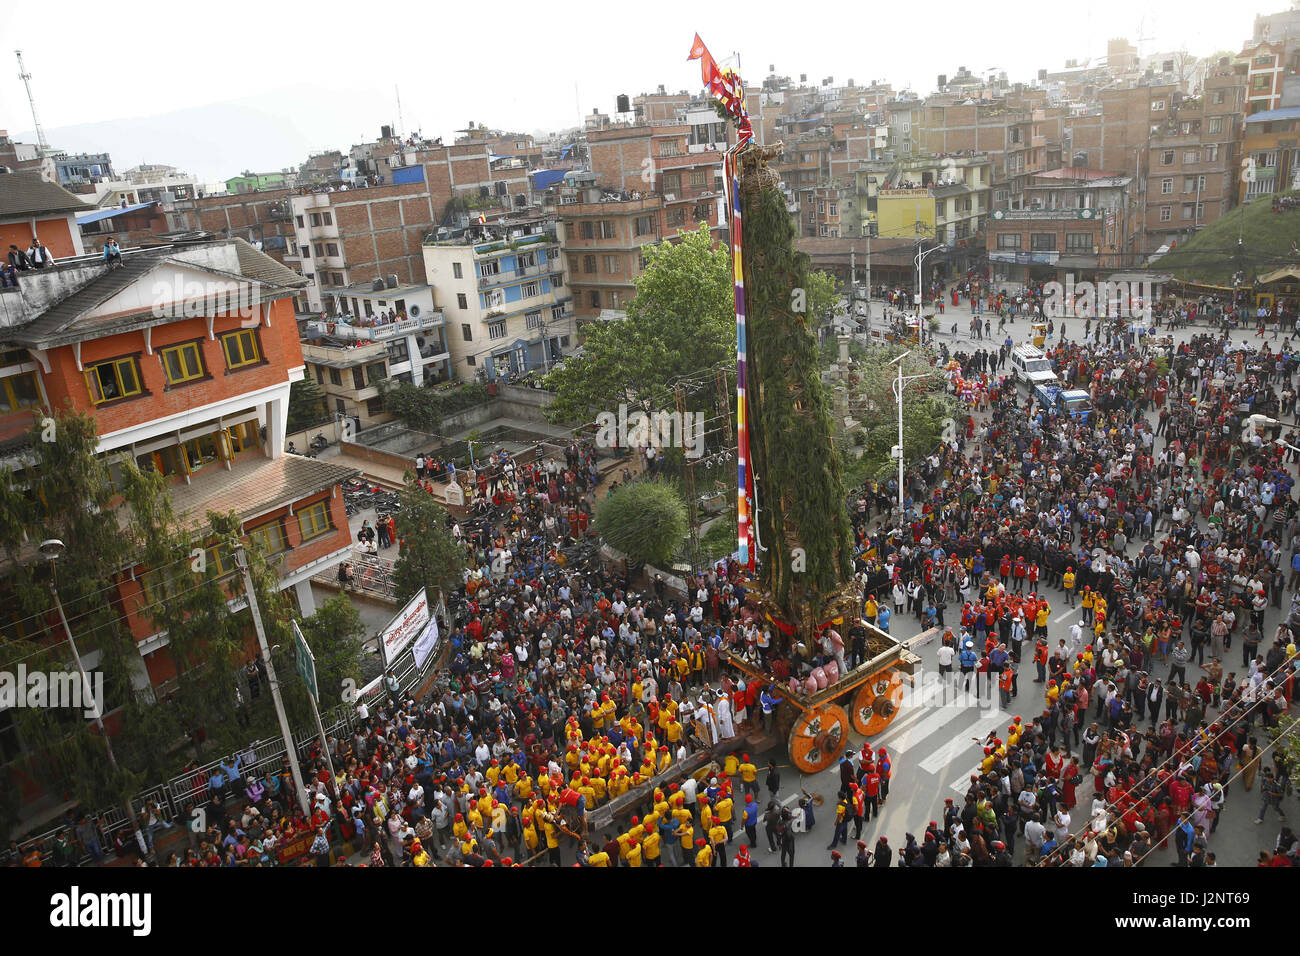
[
  {"x": 876, "y": 703},
  {"x": 818, "y": 738}
]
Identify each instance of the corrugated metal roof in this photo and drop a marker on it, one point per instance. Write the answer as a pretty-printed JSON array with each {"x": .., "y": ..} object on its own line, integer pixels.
[
  {"x": 1272, "y": 116},
  {"x": 90, "y": 217}
]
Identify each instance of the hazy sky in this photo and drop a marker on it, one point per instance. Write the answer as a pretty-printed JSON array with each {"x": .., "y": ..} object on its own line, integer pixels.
[{"x": 216, "y": 89}]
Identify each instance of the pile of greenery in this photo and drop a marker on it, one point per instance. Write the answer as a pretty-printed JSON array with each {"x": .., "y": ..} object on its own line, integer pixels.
[{"x": 423, "y": 409}]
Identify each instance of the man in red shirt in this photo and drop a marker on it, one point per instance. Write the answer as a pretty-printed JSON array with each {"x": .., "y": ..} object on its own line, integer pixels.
[{"x": 870, "y": 790}]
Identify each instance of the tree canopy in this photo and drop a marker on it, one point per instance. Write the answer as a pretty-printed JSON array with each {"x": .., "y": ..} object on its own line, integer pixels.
[
  {"x": 646, "y": 520},
  {"x": 429, "y": 557}
]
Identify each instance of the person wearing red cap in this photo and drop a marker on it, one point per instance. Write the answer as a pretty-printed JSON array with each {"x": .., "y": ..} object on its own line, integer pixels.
[
  {"x": 742, "y": 856},
  {"x": 836, "y": 859},
  {"x": 703, "y": 855}
]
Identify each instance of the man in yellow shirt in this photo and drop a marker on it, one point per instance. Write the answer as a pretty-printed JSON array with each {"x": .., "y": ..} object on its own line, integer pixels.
[
  {"x": 1067, "y": 582},
  {"x": 1044, "y": 610},
  {"x": 686, "y": 833},
  {"x": 703, "y": 855},
  {"x": 730, "y": 765},
  {"x": 650, "y": 845},
  {"x": 718, "y": 840},
  {"x": 748, "y": 775},
  {"x": 599, "y": 858},
  {"x": 633, "y": 857},
  {"x": 723, "y": 811}
]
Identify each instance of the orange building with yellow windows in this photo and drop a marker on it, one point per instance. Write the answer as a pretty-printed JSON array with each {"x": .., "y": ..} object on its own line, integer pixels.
[{"x": 184, "y": 356}]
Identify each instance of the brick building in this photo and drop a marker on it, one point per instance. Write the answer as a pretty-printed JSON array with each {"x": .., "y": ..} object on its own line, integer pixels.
[
  {"x": 31, "y": 208},
  {"x": 184, "y": 357},
  {"x": 1025, "y": 245},
  {"x": 265, "y": 217}
]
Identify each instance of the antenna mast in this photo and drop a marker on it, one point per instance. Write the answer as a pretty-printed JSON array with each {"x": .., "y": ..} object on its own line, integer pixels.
[
  {"x": 26, "y": 78},
  {"x": 400, "y": 124}
]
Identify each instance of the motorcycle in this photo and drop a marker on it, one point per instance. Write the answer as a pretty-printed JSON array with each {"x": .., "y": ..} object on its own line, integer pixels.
[{"x": 319, "y": 442}]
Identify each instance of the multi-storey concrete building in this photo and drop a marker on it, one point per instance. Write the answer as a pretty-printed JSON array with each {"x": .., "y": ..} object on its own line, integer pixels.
[
  {"x": 1271, "y": 146},
  {"x": 375, "y": 332},
  {"x": 507, "y": 304}
]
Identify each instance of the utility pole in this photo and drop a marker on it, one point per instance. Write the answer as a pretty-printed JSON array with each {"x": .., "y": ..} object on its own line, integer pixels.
[
  {"x": 241, "y": 560},
  {"x": 692, "y": 504},
  {"x": 868, "y": 270},
  {"x": 27, "y": 84},
  {"x": 51, "y": 549}
]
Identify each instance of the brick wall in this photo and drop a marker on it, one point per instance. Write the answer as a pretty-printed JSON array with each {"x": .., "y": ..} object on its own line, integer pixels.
[{"x": 279, "y": 345}]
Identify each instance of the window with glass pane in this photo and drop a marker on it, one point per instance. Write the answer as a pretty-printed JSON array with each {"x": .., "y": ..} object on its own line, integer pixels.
[
  {"x": 19, "y": 391},
  {"x": 241, "y": 348},
  {"x": 109, "y": 381},
  {"x": 314, "y": 521},
  {"x": 182, "y": 363},
  {"x": 200, "y": 451},
  {"x": 244, "y": 437}
]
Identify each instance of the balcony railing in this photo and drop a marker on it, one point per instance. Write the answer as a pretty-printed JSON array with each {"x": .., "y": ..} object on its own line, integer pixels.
[
  {"x": 510, "y": 276},
  {"x": 375, "y": 333}
]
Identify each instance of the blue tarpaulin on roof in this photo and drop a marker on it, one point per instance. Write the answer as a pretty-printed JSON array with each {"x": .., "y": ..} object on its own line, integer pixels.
[
  {"x": 87, "y": 218},
  {"x": 408, "y": 174},
  {"x": 543, "y": 178}
]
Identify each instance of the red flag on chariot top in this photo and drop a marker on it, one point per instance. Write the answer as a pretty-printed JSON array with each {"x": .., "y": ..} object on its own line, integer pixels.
[{"x": 708, "y": 66}]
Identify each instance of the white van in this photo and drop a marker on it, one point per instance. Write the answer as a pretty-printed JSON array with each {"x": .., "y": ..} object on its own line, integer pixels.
[{"x": 1031, "y": 368}]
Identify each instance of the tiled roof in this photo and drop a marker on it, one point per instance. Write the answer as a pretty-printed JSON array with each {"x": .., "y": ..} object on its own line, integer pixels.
[
  {"x": 54, "y": 326},
  {"x": 26, "y": 194},
  {"x": 258, "y": 266},
  {"x": 254, "y": 487},
  {"x": 99, "y": 289}
]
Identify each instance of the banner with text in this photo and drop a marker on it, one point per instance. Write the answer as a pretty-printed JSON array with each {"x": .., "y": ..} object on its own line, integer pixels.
[{"x": 406, "y": 627}]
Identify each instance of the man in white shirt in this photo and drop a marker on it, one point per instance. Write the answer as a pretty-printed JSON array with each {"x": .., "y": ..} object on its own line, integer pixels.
[{"x": 945, "y": 655}]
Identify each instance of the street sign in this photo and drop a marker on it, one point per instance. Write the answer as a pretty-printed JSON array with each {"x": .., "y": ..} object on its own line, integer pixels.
[{"x": 305, "y": 662}]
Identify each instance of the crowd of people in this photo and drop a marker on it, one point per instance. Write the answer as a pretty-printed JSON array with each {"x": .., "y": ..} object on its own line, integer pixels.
[
  {"x": 565, "y": 691},
  {"x": 1172, "y": 537}
]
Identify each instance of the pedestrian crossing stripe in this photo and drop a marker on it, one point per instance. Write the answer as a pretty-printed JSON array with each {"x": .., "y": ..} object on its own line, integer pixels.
[{"x": 939, "y": 761}]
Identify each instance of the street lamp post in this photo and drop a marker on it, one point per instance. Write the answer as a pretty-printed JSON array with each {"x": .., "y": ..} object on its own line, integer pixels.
[
  {"x": 51, "y": 549},
  {"x": 897, "y": 387},
  {"x": 920, "y": 295}
]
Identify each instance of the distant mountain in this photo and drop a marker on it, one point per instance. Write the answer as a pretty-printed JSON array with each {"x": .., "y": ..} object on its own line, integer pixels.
[{"x": 219, "y": 140}]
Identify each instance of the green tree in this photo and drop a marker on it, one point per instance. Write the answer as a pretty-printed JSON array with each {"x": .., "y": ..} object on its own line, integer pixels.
[
  {"x": 869, "y": 401},
  {"x": 418, "y": 408},
  {"x": 63, "y": 491},
  {"x": 647, "y": 520},
  {"x": 430, "y": 557},
  {"x": 822, "y": 293},
  {"x": 334, "y": 634},
  {"x": 680, "y": 322},
  {"x": 306, "y": 404}
]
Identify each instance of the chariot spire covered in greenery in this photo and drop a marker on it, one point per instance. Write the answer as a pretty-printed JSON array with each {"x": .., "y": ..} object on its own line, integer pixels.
[{"x": 806, "y": 564}]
